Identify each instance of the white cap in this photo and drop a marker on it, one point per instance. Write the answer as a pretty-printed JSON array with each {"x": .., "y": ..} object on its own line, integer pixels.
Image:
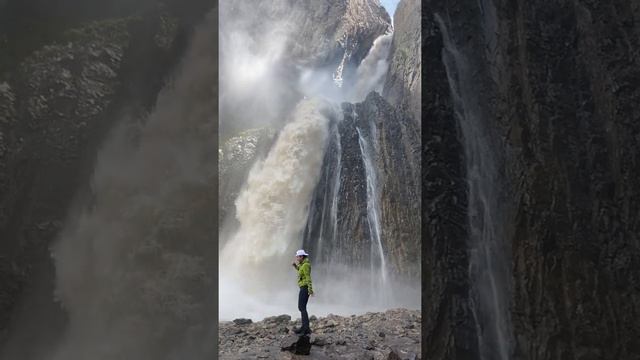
[{"x": 301, "y": 253}]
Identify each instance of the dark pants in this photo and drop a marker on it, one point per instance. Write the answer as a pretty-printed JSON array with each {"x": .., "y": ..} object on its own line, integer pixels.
[{"x": 303, "y": 298}]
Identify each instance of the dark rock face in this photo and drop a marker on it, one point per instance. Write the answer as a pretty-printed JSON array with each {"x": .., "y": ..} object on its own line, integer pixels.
[
  {"x": 236, "y": 156},
  {"x": 555, "y": 84},
  {"x": 402, "y": 86},
  {"x": 333, "y": 337},
  {"x": 448, "y": 329},
  {"x": 60, "y": 95},
  {"x": 350, "y": 25},
  {"x": 572, "y": 131},
  {"x": 396, "y": 146}
]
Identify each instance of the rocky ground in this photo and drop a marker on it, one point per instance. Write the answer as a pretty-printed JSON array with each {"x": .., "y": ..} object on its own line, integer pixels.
[{"x": 394, "y": 334}]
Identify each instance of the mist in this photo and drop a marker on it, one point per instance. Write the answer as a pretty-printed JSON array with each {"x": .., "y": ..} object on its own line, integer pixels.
[{"x": 255, "y": 78}]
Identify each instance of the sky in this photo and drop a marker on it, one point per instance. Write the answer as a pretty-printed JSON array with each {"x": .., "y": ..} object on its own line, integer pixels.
[{"x": 390, "y": 5}]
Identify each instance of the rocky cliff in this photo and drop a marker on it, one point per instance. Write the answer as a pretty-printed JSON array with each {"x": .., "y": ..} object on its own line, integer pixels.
[
  {"x": 392, "y": 138},
  {"x": 403, "y": 84},
  {"x": 63, "y": 86},
  {"x": 331, "y": 36},
  {"x": 448, "y": 329},
  {"x": 341, "y": 227},
  {"x": 553, "y": 86},
  {"x": 318, "y": 33}
]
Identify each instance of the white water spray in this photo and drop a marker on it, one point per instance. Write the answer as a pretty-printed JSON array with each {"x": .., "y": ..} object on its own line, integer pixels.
[
  {"x": 373, "y": 208},
  {"x": 272, "y": 212},
  {"x": 372, "y": 70},
  {"x": 336, "y": 189}
]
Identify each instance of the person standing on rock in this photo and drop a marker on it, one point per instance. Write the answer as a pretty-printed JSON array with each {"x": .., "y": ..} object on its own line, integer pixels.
[{"x": 303, "y": 266}]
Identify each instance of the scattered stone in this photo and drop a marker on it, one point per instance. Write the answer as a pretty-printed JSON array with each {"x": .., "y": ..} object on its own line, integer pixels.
[
  {"x": 393, "y": 355},
  {"x": 277, "y": 319},
  {"x": 242, "y": 321},
  {"x": 368, "y": 336},
  {"x": 288, "y": 343},
  {"x": 318, "y": 340}
]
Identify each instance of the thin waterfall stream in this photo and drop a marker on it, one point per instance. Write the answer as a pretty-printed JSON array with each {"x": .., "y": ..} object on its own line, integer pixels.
[
  {"x": 488, "y": 256},
  {"x": 378, "y": 263}
]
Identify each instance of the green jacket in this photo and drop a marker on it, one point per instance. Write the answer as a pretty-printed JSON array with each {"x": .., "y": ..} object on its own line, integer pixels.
[{"x": 304, "y": 275}]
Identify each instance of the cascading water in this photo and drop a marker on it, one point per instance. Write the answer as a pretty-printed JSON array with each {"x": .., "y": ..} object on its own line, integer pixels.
[
  {"x": 488, "y": 259},
  {"x": 378, "y": 264},
  {"x": 369, "y": 77},
  {"x": 337, "y": 74},
  {"x": 272, "y": 210},
  {"x": 329, "y": 221},
  {"x": 335, "y": 190},
  {"x": 372, "y": 70},
  {"x": 328, "y": 233}
]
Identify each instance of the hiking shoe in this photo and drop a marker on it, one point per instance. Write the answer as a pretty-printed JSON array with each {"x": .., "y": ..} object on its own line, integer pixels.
[{"x": 301, "y": 331}]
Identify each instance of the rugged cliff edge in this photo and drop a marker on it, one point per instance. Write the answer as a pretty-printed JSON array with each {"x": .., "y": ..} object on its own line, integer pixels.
[
  {"x": 393, "y": 138},
  {"x": 403, "y": 84},
  {"x": 553, "y": 84}
]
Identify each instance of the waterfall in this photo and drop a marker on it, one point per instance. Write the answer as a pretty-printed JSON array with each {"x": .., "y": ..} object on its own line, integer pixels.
[
  {"x": 336, "y": 189},
  {"x": 272, "y": 211},
  {"x": 337, "y": 74},
  {"x": 378, "y": 264},
  {"x": 329, "y": 221},
  {"x": 488, "y": 255},
  {"x": 371, "y": 72}
]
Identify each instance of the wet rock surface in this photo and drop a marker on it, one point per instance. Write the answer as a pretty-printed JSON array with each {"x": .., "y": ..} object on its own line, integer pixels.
[
  {"x": 393, "y": 334},
  {"x": 554, "y": 83},
  {"x": 395, "y": 158},
  {"x": 448, "y": 330},
  {"x": 236, "y": 156}
]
